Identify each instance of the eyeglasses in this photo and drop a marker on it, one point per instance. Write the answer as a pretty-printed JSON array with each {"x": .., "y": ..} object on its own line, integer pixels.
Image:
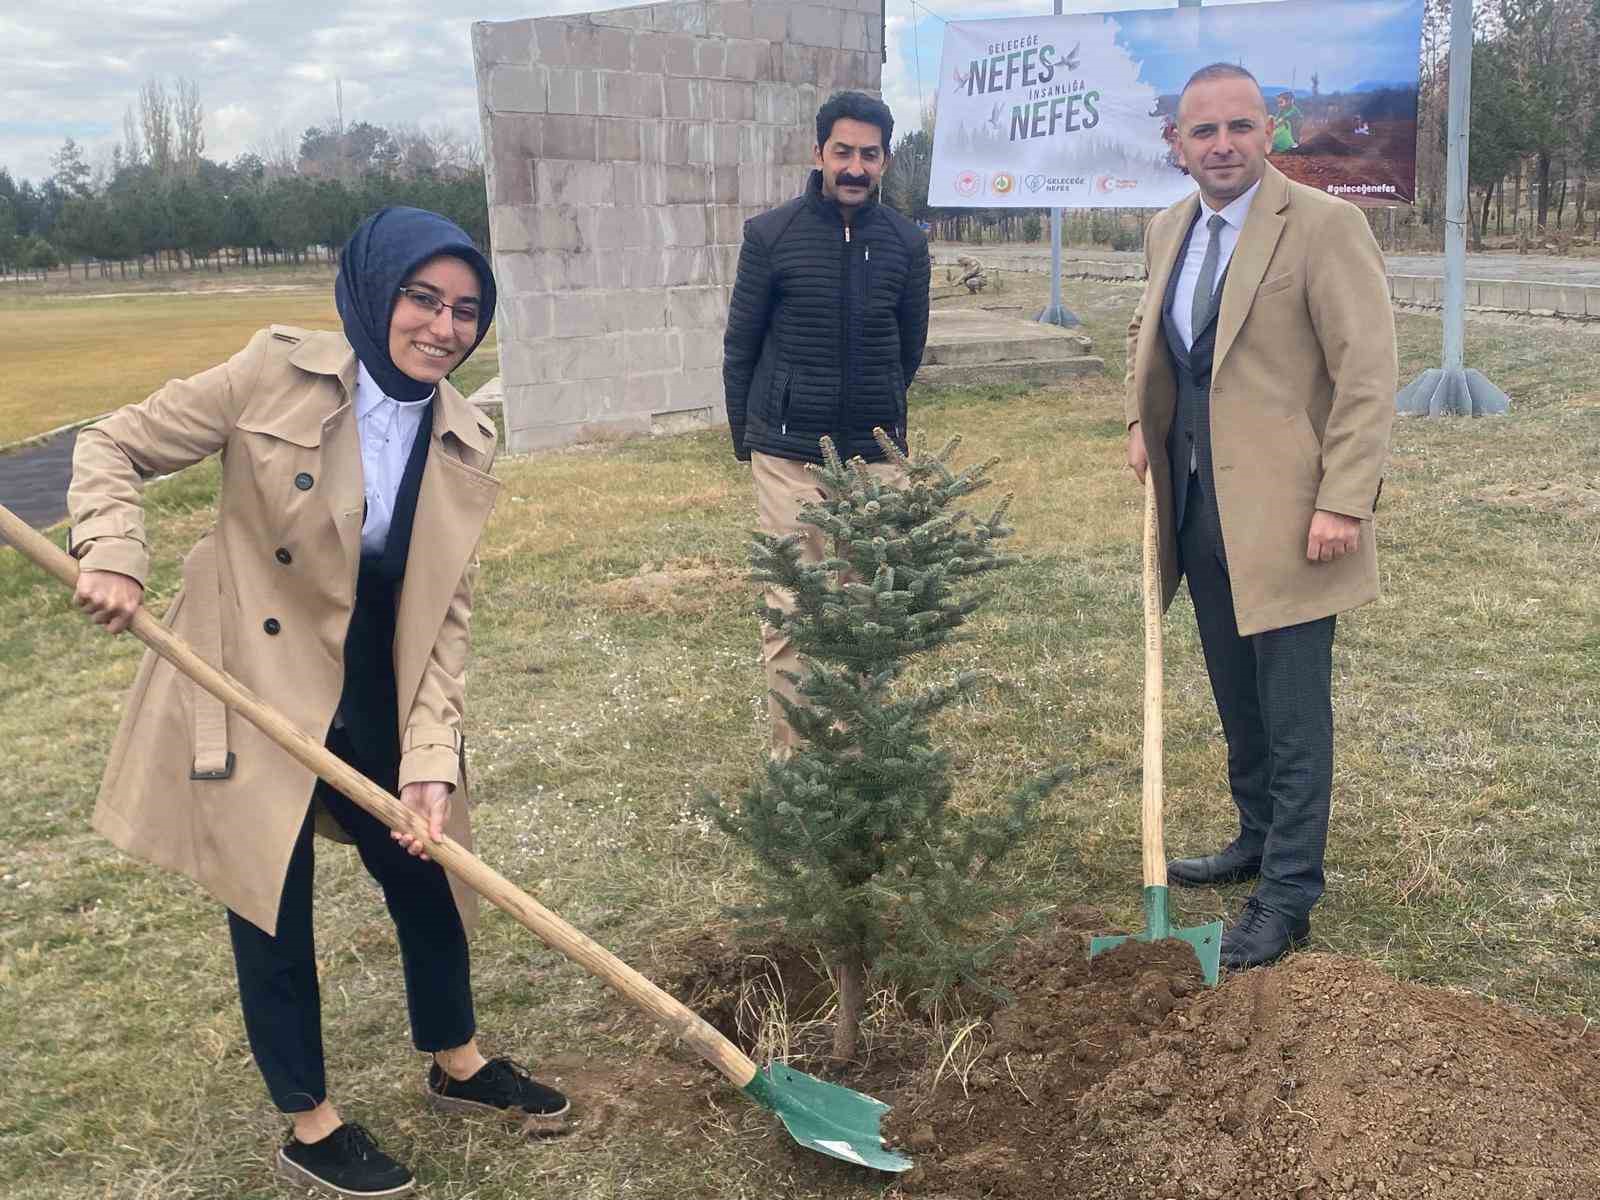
[{"x": 464, "y": 313}]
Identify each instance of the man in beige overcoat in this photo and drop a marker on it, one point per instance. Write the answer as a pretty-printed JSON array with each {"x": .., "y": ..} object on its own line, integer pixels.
[{"x": 1261, "y": 383}]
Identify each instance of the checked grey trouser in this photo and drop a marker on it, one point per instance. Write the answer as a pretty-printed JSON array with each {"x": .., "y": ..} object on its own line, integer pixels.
[
  {"x": 1274, "y": 693},
  {"x": 782, "y": 487}
]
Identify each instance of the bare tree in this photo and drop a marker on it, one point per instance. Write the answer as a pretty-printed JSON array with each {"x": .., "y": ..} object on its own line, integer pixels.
[
  {"x": 104, "y": 163},
  {"x": 440, "y": 150},
  {"x": 132, "y": 147},
  {"x": 190, "y": 115},
  {"x": 1432, "y": 107},
  {"x": 155, "y": 114},
  {"x": 279, "y": 151},
  {"x": 471, "y": 153},
  {"x": 417, "y": 151}
]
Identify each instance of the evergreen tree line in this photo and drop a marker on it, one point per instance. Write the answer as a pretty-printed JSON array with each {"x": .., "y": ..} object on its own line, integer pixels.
[{"x": 163, "y": 205}]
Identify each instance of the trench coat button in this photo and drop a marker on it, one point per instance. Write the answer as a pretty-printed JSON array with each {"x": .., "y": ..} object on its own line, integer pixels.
[
  {"x": 271, "y": 626},
  {"x": 303, "y": 481},
  {"x": 283, "y": 556}
]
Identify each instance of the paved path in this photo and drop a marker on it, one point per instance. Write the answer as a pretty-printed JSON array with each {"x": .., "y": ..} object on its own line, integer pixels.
[
  {"x": 33, "y": 480},
  {"x": 1524, "y": 268}
]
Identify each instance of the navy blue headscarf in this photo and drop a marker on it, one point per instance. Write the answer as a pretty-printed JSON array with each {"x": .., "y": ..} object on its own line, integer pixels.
[{"x": 380, "y": 256}]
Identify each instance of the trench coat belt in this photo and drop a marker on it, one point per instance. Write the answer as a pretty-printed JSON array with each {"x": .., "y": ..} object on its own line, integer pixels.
[{"x": 203, "y": 597}]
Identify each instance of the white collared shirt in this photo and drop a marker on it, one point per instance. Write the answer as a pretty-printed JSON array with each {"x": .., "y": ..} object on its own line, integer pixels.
[
  {"x": 388, "y": 431},
  {"x": 1189, "y": 274}
]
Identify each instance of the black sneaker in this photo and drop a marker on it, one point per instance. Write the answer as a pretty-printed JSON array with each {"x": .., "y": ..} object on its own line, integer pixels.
[
  {"x": 500, "y": 1088},
  {"x": 347, "y": 1162}
]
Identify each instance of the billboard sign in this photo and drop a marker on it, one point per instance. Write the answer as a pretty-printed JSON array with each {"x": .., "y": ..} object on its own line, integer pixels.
[{"x": 1080, "y": 111}]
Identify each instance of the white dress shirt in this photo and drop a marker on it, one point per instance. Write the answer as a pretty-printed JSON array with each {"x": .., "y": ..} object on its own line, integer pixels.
[
  {"x": 388, "y": 431},
  {"x": 1189, "y": 274}
]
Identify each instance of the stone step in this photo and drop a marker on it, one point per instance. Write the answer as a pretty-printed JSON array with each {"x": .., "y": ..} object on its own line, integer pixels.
[
  {"x": 972, "y": 336},
  {"x": 1036, "y": 373},
  {"x": 956, "y": 354}
]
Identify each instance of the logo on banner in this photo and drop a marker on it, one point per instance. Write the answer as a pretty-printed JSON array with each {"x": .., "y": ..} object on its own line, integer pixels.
[
  {"x": 1053, "y": 184},
  {"x": 969, "y": 183},
  {"x": 1110, "y": 183},
  {"x": 1003, "y": 183}
]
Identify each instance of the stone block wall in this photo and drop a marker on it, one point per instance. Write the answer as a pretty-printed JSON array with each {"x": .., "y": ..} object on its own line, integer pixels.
[{"x": 625, "y": 150}]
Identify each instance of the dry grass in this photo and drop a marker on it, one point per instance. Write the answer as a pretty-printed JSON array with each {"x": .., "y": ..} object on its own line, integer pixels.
[
  {"x": 73, "y": 355},
  {"x": 75, "y": 358},
  {"x": 1462, "y": 851}
]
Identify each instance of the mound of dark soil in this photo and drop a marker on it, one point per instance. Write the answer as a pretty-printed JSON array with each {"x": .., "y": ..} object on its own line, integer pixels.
[{"x": 1320, "y": 1078}]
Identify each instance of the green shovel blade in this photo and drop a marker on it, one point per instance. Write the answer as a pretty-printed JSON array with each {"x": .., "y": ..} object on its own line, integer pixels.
[
  {"x": 1205, "y": 939},
  {"x": 826, "y": 1117}
]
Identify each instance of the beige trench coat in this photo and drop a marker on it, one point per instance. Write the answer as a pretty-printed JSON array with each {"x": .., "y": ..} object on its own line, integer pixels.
[
  {"x": 1302, "y": 397},
  {"x": 267, "y": 595}
]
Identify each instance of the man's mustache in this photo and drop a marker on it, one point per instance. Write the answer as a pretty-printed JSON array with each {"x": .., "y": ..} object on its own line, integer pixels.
[{"x": 853, "y": 180}]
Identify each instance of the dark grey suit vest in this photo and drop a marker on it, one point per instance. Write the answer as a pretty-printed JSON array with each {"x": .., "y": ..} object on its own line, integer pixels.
[{"x": 1191, "y": 367}]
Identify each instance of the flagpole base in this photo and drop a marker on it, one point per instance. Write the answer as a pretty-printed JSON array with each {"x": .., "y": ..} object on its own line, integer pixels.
[
  {"x": 1058, "y": 314},
  {"x": 1453, "y": 392}
]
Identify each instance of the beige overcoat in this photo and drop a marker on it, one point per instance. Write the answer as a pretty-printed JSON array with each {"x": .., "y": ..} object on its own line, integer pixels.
[
  {"x": 1302, "y": 397},
  {"x": 267, "y": 595}
]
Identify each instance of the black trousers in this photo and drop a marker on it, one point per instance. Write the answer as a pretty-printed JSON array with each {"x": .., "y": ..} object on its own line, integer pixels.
[
  {"x": 1274, "y": 693},
  {"x": 278, "y": 975}
]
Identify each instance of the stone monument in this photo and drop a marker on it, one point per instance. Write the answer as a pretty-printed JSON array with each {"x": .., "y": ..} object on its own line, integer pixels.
[{"x": 625, "y": 150}]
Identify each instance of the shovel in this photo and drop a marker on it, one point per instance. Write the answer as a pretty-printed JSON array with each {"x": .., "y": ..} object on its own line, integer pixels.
[
  {"x": 820, "y": 1116},
  {"x": 1205, "y": 939}
]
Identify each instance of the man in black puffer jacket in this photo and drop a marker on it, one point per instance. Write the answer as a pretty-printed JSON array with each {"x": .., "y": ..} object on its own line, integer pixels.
[{"x": 825, "y": 332}]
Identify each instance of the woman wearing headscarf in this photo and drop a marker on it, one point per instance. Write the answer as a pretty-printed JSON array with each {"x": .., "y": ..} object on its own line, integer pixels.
[{"x": 337, "y": 586}]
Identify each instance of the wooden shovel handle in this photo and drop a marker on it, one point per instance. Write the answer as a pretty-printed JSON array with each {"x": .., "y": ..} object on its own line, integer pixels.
[
  {"x": 463, "y": 864},
  {"x": 1155, "y": 850}
]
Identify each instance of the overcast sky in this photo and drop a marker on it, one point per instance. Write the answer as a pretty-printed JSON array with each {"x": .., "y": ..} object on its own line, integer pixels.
[{"x": 266, "y": 68}]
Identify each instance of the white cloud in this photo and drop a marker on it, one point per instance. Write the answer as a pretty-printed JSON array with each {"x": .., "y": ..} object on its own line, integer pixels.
[{"x": 72, "y": 68}]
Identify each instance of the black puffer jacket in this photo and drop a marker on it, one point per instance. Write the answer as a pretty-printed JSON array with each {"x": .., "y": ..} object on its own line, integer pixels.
[{"x": 826, "y": 328}]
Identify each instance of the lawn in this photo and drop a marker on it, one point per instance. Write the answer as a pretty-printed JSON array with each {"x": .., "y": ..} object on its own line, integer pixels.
[
  {"x": 616, "y": 677},
  {"x": 72, "y": 355}
]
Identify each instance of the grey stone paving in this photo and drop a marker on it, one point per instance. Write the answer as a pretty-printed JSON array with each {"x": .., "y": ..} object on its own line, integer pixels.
[{"x": 33, "y": 480}]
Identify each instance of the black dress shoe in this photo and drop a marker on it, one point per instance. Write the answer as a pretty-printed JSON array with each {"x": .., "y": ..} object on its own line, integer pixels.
[
  {"x": 1231, "y": 865},
  {"x": 1261, "y": 935},
  {"x": 347, "y": 1163},
  {"x": 503, "y": 1088}
]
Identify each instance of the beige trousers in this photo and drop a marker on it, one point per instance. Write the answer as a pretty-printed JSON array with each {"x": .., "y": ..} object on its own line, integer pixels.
[{"x": 783, "y": 486}]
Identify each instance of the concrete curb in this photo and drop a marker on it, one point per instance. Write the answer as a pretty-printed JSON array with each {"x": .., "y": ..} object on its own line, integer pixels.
[
  {"x": 38, "y": 439},
  {"x": 1567, "y": 301}
]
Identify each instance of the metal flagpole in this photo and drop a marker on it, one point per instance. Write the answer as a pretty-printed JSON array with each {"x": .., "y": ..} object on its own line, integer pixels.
[
  {"x": 1453, "y": 389},
  {"x": 1057, "y": 313}
]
